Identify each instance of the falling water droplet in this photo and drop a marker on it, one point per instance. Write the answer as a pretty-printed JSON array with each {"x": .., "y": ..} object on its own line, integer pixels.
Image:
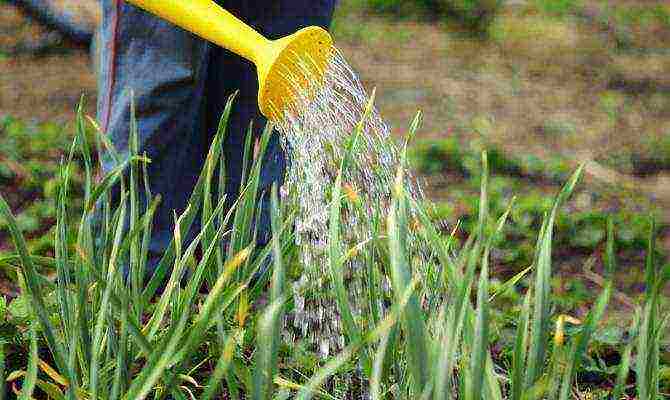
[{"x": 315, "y": 132}]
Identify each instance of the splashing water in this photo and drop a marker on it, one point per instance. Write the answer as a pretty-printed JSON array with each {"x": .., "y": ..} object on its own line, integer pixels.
[{"x": 315, "y": 133}]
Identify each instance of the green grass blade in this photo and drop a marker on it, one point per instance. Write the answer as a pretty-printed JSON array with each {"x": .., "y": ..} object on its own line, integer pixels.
[
  {"x": 84, "y": 147},
  {"x": 10, "y": 261},
  {"x": 579, "y": 347},
  {"x": 168, "y": 352},
  {"x": 200, "y": 271},
  {"x": 651, "y": 274},
  {"x": 50, "y": 389},
  {"x": 540, "y": 320},
  {"x": 121, "y": 372},
  {"x": 459, "y": 310},
  {"x": 147, "y": 225},
  {"x": 335, "y": 256},
  {"x": 485, "y": 383},
  {"x": 480, "y": 345},
  {"x": 647, "y": 352},
  {"x": 207, "y": 209},
  {"x": 134, "y": 265},
  {"x": 659, "y": 334},
  {"x": 438, "y": 245},
  {"x": 140, "y": 229},
  {"x": 373, "y": 274},
  {"x": 490, "y": 388},
  {"x": 541, "y": 304},
  {"x": 3, "y": 377},
  {"x": 222, "y": 195},
  {"x": 378, "y": 367},
  {"x": 197, "y": 331},
  {"x": 247, "y": 155},
  {"x": 102, "y": 310},
  {"x": 626, "y": 357},
  {"x": 117, "y": 300},
  {"x": 83, "y": 267},
  {"x": 63, "y": 278},
  {"x": 195, "y": 200},
  {"x": 158, "y": 361},
  {"x": 215, "y": 301},
  {"x": 520, "y": 347},
  {"x": 31, "y": 373},
  {"x": 34, "y": 289},
  {"x": 241, "y": 237},
  {"x": 268, "y": 331},
  {"x": 411, "y": 133},
  {"x": 510, "y": 283},
  {"x": 136, "y": 274},
  {"x": 278, "y": 274},
  {"x": 483, "y": 198},
  {"x": 412, "y": 321},
  {"x": 456, "y": 315},
  {"x": 610, "y": 255},
  {"x": 264, "y": 369},
  {"x": 443, "y": 374},
  {"x": 66, "y": 300},
  {"x": 312, "y": 387},
  {"x": 549, "y": 382},
  {"x": 167, "y": 297},
  {"x": 109, "y": 180},
  {"x": 222, "y": 366}
]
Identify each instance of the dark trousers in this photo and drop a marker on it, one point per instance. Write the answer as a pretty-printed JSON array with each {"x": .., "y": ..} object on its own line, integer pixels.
[{"x": 181, "y": 84}]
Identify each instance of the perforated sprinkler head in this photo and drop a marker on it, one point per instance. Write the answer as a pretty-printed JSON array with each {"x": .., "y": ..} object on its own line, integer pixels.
[{"x": 292, "y": 68}]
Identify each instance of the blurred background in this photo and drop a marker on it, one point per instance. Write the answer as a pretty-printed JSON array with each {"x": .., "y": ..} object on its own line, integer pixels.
[{"x": 543, "y": 85}]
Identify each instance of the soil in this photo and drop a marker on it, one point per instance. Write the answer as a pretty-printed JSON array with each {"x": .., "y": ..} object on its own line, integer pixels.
[
  {"x": 546, "y": 95},
  {"x": 43, "y": 76}
]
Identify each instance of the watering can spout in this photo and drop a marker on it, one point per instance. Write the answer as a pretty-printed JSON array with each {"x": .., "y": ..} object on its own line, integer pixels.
[{"x": 284, "y": 66}]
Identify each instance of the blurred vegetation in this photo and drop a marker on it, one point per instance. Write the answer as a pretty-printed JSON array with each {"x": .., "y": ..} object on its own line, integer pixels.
[
  {"x": 474, "y": 15},
  {"x": 625, "y": 20},
  {"x": 580, "y": 232},
  {"x": 30, "y": 156}
]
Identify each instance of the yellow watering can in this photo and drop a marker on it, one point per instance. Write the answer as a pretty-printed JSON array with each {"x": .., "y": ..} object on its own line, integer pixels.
[{"x": 285, "y": 66}]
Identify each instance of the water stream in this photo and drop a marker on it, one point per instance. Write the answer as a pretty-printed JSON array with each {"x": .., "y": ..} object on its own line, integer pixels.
[{"x": 315, "y": 133}]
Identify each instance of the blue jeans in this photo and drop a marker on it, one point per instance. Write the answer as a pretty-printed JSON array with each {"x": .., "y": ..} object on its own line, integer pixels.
[{"x": 181, "y": 84}]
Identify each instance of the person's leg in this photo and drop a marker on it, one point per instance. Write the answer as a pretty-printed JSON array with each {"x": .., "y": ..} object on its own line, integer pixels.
[
  {"x": 165, "y": 67},
  {"x": 181, "y": 86},
  {"x": 229, "y": 72},
  {"x": 283, "y": 17},
  {"x": 276, "y": 19}
]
